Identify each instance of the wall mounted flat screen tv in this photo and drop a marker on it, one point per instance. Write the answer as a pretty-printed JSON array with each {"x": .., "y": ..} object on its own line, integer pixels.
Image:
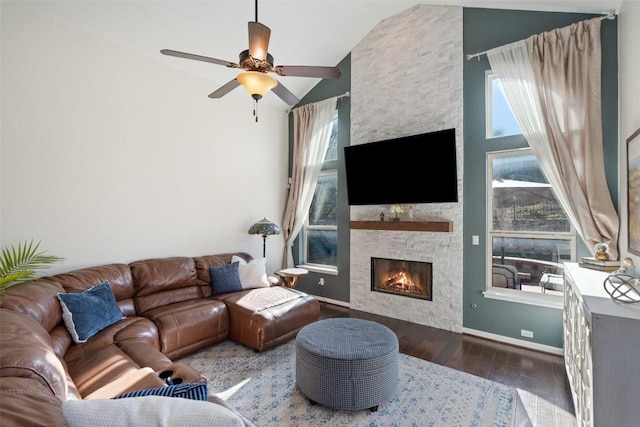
[{"x": 412, "y": 169}]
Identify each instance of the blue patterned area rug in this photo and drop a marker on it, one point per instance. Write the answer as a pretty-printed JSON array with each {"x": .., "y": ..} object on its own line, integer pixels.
[{"x": 262, "y": 386}]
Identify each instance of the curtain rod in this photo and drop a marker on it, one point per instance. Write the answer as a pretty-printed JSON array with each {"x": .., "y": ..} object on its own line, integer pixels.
[
  {"x": 339, "y": 97},
  {"x": 610, "y": 15}
]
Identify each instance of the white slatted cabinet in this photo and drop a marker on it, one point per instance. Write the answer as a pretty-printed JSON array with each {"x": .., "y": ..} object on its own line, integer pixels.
[{"x": 601, "y": 351}]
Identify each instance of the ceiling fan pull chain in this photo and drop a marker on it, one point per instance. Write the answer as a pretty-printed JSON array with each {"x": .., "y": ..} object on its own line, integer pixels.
[{"x": 255, "y": 109}]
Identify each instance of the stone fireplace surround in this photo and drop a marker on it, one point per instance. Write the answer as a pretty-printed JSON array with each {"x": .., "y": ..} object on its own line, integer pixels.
[
  {"x": 444, "y": 311},
  {"x": 416, "y": 58}
]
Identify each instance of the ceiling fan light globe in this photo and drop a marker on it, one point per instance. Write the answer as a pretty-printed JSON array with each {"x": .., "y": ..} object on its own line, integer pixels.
[{"x": 257, "y": 84}]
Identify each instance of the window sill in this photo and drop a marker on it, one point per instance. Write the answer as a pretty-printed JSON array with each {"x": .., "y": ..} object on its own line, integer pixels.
[
  {"x": 542, "y": 300},
  {"x": 319, "y": 269}
]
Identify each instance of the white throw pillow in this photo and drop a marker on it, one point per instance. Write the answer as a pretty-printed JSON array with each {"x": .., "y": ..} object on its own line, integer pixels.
[
  {"x": 151, "y": 411},
  {"x": 252, "y": 274}
]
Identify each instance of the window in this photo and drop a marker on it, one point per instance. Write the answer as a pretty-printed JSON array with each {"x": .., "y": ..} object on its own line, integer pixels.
[
  {"x": 500, "y": 119},
  {"x": 529, "y": 234},
  {"x": 321, "y": 229}
]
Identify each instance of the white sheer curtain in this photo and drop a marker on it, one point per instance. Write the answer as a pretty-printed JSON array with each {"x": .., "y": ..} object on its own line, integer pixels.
[
  {"x": 552, "y": 82},
  {"x": 311, "y": 133}
]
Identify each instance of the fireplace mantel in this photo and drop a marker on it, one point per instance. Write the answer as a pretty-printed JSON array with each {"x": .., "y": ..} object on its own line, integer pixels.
[{"x": 432, "y": 225}]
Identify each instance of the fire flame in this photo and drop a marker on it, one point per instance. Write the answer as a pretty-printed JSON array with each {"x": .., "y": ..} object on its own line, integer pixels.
[{"x": 400, "y": 281}]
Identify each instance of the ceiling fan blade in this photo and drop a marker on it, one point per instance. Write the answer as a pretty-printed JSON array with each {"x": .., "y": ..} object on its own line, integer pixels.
[
  {"x": 308, "y": 71},
  {"x": 285, "y": 94},
  {"x": 184, "y": 55},
  {"x": 258, "y": 40},
  {"x": 225, "y": 89}
]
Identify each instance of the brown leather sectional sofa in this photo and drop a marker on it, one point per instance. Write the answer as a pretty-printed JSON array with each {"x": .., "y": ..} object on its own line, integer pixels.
[{"x": 169, "y": 311}]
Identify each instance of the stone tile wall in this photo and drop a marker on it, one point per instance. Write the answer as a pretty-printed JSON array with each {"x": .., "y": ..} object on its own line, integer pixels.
[{"x": 407, "y": 79}]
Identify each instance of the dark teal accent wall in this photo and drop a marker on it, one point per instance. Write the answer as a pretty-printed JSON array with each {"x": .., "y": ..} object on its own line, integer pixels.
[
  {"x": 335, "y": 287},
  {"x": 485, "y": 29}
]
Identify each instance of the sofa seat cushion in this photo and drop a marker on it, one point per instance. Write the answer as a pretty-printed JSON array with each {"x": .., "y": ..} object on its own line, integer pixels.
[
  {"x": 188, "y": 326},
  {"x": 139, "y": 327},
  {"x": 140, "y": 379},
  {"x": 143, "y": 355},
  {"x": 265, "y": 317},
  {"x": 99, "y": 368}
]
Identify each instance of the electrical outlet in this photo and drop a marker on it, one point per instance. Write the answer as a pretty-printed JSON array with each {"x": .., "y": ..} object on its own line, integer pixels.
[
  {"x": 526, "y": 334},
  {"x": 321, "y": 281}
]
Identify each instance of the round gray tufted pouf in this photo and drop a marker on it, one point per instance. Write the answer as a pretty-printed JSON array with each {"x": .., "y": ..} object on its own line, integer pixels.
[{"x": 347, "y": 363}]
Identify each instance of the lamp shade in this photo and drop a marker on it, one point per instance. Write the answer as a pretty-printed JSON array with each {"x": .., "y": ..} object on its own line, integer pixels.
[
  {"x": 264, "y": 227},
  {"x": 256, "y": 83}
]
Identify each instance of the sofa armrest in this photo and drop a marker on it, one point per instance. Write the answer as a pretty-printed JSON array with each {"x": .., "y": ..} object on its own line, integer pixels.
[
  {"x": 25, "y": 400},
  {"x": 186, "y": 372}
]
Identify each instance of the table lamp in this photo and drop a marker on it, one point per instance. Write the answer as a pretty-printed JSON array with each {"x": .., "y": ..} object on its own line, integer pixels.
[{"x": 264, "y": 228}]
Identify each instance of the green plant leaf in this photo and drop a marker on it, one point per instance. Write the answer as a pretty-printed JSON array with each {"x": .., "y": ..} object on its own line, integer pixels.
[{"x": 18, "y": 264}]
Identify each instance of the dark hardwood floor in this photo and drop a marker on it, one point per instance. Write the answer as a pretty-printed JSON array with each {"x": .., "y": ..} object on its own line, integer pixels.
[{"x": 539, "y": 377}]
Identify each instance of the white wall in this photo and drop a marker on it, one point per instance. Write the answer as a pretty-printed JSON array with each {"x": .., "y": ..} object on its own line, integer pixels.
[
  {"x": 109, "y": 156},
  {"x": 406, "y": 79},
  {"x": 629, "y": 70}
]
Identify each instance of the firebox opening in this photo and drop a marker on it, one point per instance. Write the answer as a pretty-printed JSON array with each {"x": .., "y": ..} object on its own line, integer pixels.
[{"x": 401, "y": 277}]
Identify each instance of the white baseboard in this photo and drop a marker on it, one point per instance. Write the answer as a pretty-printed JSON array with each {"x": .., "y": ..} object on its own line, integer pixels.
[
  {"x": 333, "y": 301},
  {"x": 482, "y": 334},
  {"x": 514, "y": 341}
]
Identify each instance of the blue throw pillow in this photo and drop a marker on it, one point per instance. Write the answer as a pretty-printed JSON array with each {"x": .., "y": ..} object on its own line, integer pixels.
[
  {"x": 87, "y": 313},
  {"x": 225, "y": 278},
  {"x": 194, "y": 391}
]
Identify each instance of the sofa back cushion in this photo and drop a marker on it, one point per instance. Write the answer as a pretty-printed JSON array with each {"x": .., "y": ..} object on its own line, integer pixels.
[
  {"x": 162, "y": 281},
  {"x": 36, "y": 298},
  {"x": 204, "y": 263},
  {"x": 118, "y": 276}
]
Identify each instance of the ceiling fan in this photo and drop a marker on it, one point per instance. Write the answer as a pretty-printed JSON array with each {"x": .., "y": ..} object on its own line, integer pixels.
[{"x": 257, "y": 63}]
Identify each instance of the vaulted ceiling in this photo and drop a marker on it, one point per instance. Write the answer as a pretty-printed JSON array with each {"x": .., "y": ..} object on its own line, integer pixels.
[{"x": 303, "y": 32}]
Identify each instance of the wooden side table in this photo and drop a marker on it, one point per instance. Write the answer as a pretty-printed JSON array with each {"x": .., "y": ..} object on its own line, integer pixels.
[{"x": 291, "y": 276}]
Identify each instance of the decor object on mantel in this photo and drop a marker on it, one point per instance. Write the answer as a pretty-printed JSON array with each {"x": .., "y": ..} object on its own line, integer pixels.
[
  {"x": 264, "y": 228},
  {"x": 20, "y": 264},
  {"x": 623, "y": 288},
  {"x": 256, "y": 63},
  {"x": 396, "y": 210}
]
